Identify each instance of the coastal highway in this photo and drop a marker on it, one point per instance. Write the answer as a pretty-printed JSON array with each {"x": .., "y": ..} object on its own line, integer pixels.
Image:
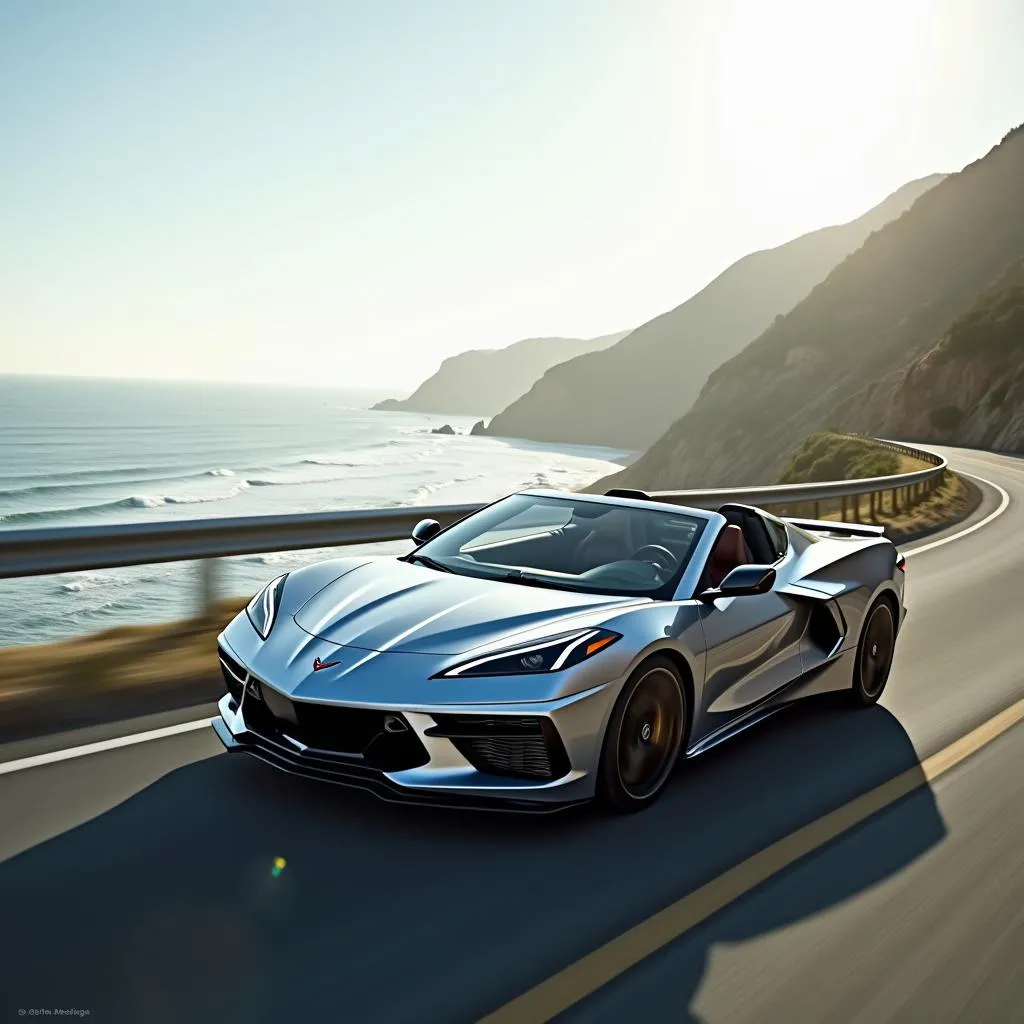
[{"x": 136, "y": 882}]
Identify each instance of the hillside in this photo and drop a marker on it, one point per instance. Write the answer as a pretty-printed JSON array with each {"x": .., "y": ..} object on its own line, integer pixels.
[
  {"x": 482, "y": 381},
  {"x": 882, "y": 307},
  {"x": 967, "y": 389},
  {"x": 627, "y": 395}
]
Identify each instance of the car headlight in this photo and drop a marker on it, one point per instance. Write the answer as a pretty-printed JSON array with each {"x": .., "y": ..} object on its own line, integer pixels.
[
  {"x": 544, "y": 656},
  {"x": 262, "y": 609}
]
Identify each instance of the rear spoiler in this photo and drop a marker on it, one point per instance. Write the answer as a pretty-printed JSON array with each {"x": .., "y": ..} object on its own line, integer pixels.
[{"x": 847, "y": 529}]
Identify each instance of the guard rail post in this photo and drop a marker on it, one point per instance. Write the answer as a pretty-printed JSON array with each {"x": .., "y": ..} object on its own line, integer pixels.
[{"x": 207, "y": 588}]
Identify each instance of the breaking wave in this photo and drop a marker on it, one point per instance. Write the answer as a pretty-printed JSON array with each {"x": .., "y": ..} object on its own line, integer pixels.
[
  {"x": 84, "y": 582},
  {"x": 135, "y": 501},
  {"x": 426, "y": 490}
]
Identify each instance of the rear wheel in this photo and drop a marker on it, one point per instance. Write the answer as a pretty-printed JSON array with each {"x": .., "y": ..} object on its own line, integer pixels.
[
  {"x": 644, "y": 736},
  {"x": 874, "y": 654}
]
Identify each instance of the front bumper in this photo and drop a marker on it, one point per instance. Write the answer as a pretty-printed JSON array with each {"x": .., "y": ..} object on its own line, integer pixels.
[{"x": 446, "y": 747}]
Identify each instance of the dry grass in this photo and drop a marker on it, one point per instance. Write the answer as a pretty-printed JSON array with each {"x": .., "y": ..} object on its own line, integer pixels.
[
  {"x": 949, "y": 502},
  {"x": 908, "y": 464},
  {"x": 163, "y": 657}
]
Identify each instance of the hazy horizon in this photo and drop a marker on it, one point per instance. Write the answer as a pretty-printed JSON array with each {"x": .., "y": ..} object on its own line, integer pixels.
[
  {"x": 270, "y": 192},
  {"x": 372, "y": 392}
]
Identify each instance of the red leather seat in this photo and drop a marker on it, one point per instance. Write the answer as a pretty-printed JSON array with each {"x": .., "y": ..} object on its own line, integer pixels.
[{"x": 730, "y": 550}]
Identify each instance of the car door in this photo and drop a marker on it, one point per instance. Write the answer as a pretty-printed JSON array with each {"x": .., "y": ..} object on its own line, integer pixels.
[{"x": 753, "y": 650}]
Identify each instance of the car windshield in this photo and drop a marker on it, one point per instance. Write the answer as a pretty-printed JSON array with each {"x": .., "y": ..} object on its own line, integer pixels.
[{"x": 569, "y": 543}]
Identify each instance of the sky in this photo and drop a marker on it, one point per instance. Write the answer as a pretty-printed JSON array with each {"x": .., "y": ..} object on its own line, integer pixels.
[{"x": 341, "y": 192}]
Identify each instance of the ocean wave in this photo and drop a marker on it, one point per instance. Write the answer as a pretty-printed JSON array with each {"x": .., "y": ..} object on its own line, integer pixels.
[
  {"x": 335, "y": 462},
  {"x": 85, "y": 483},
  {"x": 103, "y": 610},
  {"x": 423, "y": 492},
  {"x": 112, "y": 473},
  {"x": 264, "y": 482},
  {"x": 357, "y": 459},
  {"x": 60, "y": 474},
  {"x": 285, "y": 557},
  {"x": 84, "y": 582},
  {"x": 299, "y": 482},
  {"x": 37, "y": 490},
  {"x": 135, "y": 501}
]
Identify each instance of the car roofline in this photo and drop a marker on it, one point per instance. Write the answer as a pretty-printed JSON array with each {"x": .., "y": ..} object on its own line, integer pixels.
[{"x": 618, "y": 502}]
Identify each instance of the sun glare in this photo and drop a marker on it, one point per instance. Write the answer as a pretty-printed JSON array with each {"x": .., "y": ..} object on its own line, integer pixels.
[{"x": 813, "y": 81}]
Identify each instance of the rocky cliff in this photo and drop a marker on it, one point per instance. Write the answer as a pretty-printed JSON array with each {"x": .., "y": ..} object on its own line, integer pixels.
[
  {"x": 483, "y": 381},
  {"x": 880, "y": 310},
  {"x": 629, "y": 394},
  {"x": 968, "y": 389}
]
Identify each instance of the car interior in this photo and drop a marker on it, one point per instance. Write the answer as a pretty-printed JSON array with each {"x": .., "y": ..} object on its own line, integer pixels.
[
  {"x": 606, "y": 546},
  {"x": 744, "y": 540},
  {"x": 628, "y": 547}
]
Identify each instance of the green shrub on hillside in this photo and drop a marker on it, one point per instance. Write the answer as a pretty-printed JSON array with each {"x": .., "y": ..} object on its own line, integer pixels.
[
  {"x": 947, "y": 417},
  {"x": 826, "y": 455},
  {"x": 995, "y": 323}
]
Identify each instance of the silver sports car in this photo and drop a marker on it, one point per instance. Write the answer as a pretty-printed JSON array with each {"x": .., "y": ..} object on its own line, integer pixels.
[{"x": 552, "y": 647}]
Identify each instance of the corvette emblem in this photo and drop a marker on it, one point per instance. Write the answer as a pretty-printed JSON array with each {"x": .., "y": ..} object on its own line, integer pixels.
[{"x": 318, "y": 664}]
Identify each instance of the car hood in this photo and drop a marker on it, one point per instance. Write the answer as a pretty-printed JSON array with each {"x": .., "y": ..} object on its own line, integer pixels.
[{"x": 388, "y": 605}]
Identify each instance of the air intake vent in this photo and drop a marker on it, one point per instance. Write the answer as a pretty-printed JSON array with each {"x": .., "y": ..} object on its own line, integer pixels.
[
  {"x": 234, "y": 673},
  {"x": 510, "y": 745},
  {"x": 375, "y": 738},
  {"x": 826, "y": 629}
]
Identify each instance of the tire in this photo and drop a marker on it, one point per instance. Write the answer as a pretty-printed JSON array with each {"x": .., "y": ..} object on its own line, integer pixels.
[
  {"x": 875, "y": 652},
  {"x": 644, "y": 736}
]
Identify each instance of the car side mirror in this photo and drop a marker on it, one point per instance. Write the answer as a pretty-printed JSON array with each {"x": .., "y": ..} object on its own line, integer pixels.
[
  {"x": 743, "y": 581},
  {"x": 425, "y": 529}
]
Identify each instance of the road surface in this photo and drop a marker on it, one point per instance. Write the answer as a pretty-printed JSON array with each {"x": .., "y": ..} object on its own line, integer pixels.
[{"x": 136, "y": 882}]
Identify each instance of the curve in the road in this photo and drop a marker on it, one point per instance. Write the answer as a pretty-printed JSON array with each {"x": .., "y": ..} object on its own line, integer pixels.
[{"x": 140, "y": 882}]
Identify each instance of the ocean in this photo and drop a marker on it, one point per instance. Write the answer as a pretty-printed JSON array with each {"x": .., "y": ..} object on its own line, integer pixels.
[{"x": 78, "y": 451}]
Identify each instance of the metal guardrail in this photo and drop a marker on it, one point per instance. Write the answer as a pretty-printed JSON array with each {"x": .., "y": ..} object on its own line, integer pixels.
[{"x": 75, "y": 548}]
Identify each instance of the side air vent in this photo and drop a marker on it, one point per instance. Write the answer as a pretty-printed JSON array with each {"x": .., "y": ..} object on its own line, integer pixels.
[{"x": 826, "y": 628}]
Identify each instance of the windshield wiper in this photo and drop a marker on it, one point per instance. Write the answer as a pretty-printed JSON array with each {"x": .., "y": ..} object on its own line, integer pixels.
[
  {"x": 533, "y": 581},
  {"x": 429, "y": 562}
]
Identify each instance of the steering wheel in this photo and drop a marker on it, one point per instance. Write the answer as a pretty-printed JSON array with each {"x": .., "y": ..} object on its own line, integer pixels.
[{"x": 656, "y": 555}]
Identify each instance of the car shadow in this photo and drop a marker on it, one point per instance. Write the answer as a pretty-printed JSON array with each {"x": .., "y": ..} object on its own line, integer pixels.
[{"x": 167, "y": 907}]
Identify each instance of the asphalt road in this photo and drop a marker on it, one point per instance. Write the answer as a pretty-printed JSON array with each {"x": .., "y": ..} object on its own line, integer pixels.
[{"x": 136, "y": 883}]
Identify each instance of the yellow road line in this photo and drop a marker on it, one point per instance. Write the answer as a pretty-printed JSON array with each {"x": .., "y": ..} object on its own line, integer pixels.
[{"x": 587, "y": 975}]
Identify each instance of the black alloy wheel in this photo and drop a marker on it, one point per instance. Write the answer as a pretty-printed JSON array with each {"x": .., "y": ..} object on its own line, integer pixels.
[
  {"x": 874, "y": 654},
  {"x": 644, "y": 737}
]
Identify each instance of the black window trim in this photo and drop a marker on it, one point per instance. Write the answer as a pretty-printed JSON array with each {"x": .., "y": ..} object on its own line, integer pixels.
[{"x": 769, "y": 520}]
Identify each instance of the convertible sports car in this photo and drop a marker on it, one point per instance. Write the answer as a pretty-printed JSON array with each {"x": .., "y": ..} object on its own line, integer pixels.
[{"x": 552, "y": 647}]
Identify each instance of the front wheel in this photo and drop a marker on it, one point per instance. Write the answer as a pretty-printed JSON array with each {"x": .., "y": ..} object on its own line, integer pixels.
[
  {"x": 874, "y": 655},
  {"x": 644, "y": 737}
]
